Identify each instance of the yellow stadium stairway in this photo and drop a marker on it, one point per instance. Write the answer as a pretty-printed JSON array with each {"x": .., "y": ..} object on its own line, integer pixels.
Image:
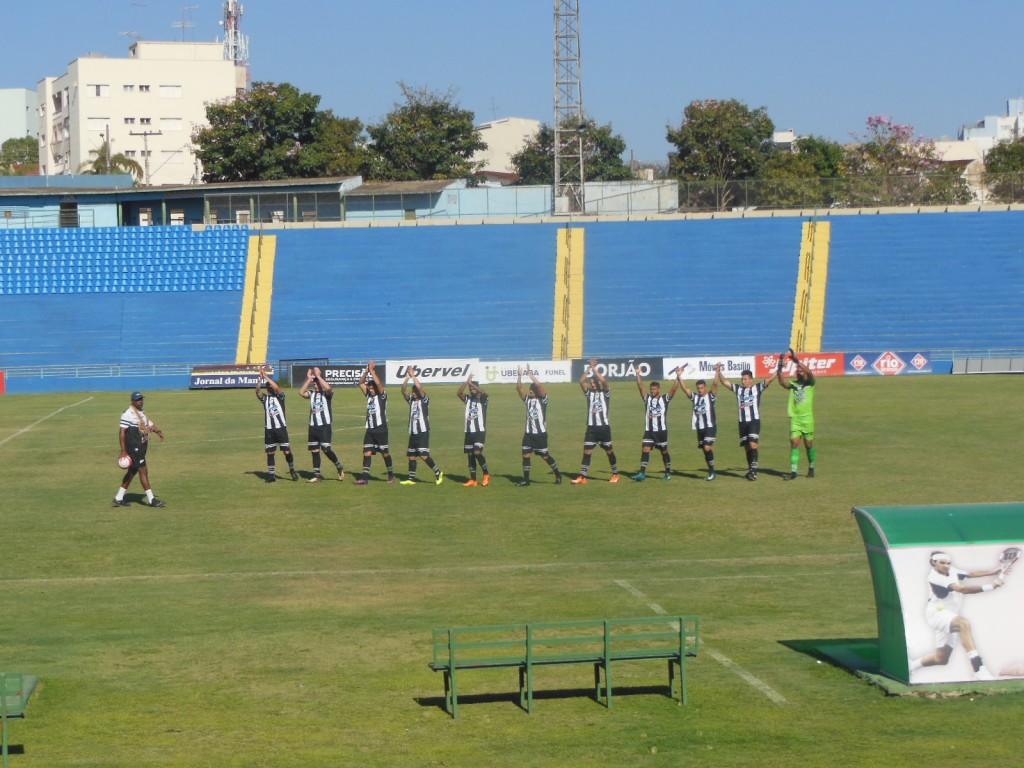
[
  {"x": 254, "y": 325},
  {"x": 812, "y": 279},
  {"x": 567, "y": 335}
]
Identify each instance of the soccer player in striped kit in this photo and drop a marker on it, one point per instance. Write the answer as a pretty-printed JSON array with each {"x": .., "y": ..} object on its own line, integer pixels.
[
  {"x": 748, "y": 400},
  {"x": 535, "y": 435},
  {"x": 476, "y": 429},
  {"x": 655, "y": 425},
  {"x": 419, "y": 429},
  {"x": 704, "y": 421},
  {"x": 599, "y": 429},
  {"x": 375, "y": 440},
  {"x": 275, "y": 427},
  {"x": 320, "y": 393}
]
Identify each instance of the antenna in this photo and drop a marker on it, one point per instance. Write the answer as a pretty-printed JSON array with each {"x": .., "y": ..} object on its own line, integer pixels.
[
  {"x": 236, "y": 45},
  {"x": 185, "y": 22},
  {"x": 569, "y": 118}
]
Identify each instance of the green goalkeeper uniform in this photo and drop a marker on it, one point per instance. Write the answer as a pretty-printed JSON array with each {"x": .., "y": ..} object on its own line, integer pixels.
[{"x": 801, "y": 409}]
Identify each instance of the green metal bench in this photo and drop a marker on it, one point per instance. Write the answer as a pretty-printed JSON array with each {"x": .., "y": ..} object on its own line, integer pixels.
[
  {"x": 600, "y": 643},
  {"x": 15, "y": 690}
]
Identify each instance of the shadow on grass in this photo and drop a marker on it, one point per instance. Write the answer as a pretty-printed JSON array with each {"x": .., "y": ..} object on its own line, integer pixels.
[
  {"x": 512, "y": 697},
  {"x": 856, "y": 654}
]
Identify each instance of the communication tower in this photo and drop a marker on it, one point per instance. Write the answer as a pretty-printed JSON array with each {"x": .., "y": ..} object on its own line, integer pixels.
[
  {"x": 236, "y": 45},
  {"x": 569, "y": 120}
]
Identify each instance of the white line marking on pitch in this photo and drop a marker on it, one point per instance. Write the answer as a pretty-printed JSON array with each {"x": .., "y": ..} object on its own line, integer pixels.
[
  {"x": 23, "y": 430},
  {"x": 721, "y": 658}
]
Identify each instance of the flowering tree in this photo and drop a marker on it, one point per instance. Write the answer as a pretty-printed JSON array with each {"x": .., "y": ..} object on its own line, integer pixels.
[{"x": 890, "y": 166}]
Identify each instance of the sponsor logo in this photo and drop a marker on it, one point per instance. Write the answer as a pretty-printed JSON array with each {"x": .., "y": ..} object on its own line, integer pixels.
[
  {"x": 919, "y": 361},
  {"x": 428, "y": 372},
  {"x": 858, "y": 363},
  {"x": 889, "y": 364}
]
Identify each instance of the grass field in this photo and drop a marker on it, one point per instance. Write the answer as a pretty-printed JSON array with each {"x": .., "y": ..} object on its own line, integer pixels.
[{"x": 289, "y": 625}]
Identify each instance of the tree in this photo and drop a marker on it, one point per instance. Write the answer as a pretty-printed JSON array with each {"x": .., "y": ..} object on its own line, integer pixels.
[
  {"x": 602, "y": 155},
  {"x": 801, "y": 178},
  {"x": 889, "y": 166},
  {"x": 428, "y": 136},
  {"x": 720, "y": 142},
  {"x": 103, "y": 163},
  {"x": 1004, "y": 171},
  {"x": 275, "y": 131},
  {"x": 19, "y": 156}
]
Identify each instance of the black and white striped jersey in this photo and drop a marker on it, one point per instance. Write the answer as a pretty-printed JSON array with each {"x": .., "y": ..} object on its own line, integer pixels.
[
  {"x": 419, "y": 415},
  {"x": 656, "y": 416},
  {"x": 536, "y": 415},
  {"x": 476, "y": 413},
  {"x": 703, "y": 410},
  {"x": 273, "y": 409},
  {"x": 376, "y": 410},
  {"x": 320, "y": 408},
  {"x": 598, "y": 407},
  {"x": 749, "y": 401}
]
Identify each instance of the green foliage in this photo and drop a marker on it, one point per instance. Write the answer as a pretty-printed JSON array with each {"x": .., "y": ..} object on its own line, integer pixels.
[
  {"x": 290, "y": 624},
  {"x": 602, "y": 155},
  {"x": 1004, "y": 171},
  {"x": 891, "y": 167},
  {"x": 427, "y": 136},
  {"x": 722, "y": 141},
  {"x": 104, "y": 163},
  {"x": 274, "y": 131},
  {"x": 19, "y": 156}
]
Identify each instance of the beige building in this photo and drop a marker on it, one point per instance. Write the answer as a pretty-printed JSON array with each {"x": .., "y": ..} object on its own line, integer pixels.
[
  {"x": 504, "y": 138},
  {"x": 146, "y": 105}
]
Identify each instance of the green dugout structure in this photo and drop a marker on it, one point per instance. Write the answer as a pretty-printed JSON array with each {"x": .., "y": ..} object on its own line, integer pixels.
[{"x": 912, "y": 597}]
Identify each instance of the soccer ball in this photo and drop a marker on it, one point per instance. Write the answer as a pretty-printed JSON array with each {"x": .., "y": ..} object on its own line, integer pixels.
[{"x": 124, "y": 462}]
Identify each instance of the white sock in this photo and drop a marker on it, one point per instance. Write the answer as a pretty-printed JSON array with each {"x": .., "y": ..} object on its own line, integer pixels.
[
  {"x": 149, "y": 495},
  {"x": 915, "y": 664},
  {"x": 119, "y": 496}
]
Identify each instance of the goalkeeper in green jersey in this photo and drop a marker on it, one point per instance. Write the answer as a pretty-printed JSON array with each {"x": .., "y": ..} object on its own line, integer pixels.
[{"x": 801, "y": 414}]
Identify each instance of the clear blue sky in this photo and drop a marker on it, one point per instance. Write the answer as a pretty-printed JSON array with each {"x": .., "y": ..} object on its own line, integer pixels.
[{"x": 818, "y": 66}]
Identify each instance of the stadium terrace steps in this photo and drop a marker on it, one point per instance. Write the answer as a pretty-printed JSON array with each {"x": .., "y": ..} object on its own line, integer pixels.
[
  {"x": 120, "y": 295},
  {"x": 926, "y": 282}
]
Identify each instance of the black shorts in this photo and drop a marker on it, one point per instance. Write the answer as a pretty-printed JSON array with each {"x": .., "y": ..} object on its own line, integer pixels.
[
  {"x": 706, "y": 436},
  {"x": 419, "y": 444},
  {"x": 376, "y": 440},
  {"x": 656, "y": 437},
  {"x": 598, "y": 436},
  {"x": 319, "y": 435},
  {"x": 750, "y": 431},
  {"x": 276, "y": 438},
  {"x": 474, "y": 442},
  {"x": 535, "y": 443},
  {"x": 137, "y": 453}
]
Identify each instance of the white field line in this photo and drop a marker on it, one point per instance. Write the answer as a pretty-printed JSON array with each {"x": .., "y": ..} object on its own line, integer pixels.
[
  {"x": 721, "y": 658},
  {"x": 36, "y": 423},
  {"x": 441, "y": 570}
]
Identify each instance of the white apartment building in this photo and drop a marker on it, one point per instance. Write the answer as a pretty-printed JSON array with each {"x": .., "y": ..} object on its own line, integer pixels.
[
  {"x": 17, "y": 113},
  {"x": 146, "y": 106},
  {"x": 992, "y": 129}
]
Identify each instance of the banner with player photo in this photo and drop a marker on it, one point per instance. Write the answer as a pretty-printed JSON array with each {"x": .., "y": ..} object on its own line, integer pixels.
[
  {"x": 947, "y": 596},
  {"x": 927, "y": 579}
]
